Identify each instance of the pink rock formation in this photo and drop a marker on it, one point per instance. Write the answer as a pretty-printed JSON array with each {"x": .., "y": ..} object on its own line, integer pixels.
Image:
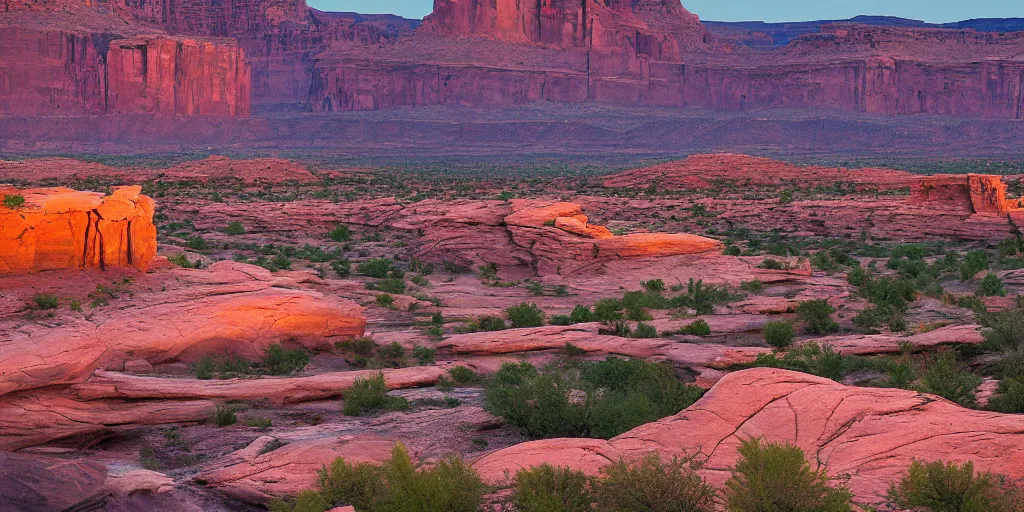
[
  {"x": 230, "y": 307},
  {"x": 866, "y": 436},
  {"x": 970, "y": 193},
  {"x": 250, "y": 476},
  {"x": 285, "y": 390},
  {"x": 712, "y": 170},
  {"x": 60, "y": 229}
]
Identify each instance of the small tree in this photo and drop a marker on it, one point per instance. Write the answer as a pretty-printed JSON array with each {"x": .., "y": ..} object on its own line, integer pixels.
[{"x": 771, "y": 476}]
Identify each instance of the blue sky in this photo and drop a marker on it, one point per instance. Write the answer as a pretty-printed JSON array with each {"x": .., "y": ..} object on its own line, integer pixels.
[{"x": 936, "y": 11}]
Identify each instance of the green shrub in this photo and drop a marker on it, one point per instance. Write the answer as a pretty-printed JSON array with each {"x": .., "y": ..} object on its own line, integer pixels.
[
  {"x": 235, "y": 229},
  {"x": 974, "y": 262},
  {"x": 46, "y": 301},
  {"x": 13, "y": 201},
  {"x": 462, "y": 375},
  {"x": 654, "y": 285},
  {"x": 608, "y": 311},
  {"x": 197, "y": 243},
  {"x": 601, "y": 399},
  {"x": 949, "y": 487},
  {"x": 778, "y": 334},
  {"x": 644, "y": 331},
  {"x": 342, "y": 267},
  {"x": 279, "y": 361},
  {"x": 398, "y": 485},
  {"x": 943, "y": 375},
  {"x": 424, "y": 355},
  {"x": 701, "y": 297},
  {"x": 371, "y": 395},
  {"x": 224, "y": 416},
  {"x": 491, "y": 323},
  {"x": 817, "y": 316},
  {"x": 1009, "y": 396},
  {"x": 815, "y": 359},
  {"x": 549, "y": 489},
  {"x": 857, "y": 277},
  {"x": 581, "y": 314},
  {"x": 732, "y": 250},
  {"x": 755, "y": 286},
  {"x": 392, "y": 354},
  {"x": 653, "y": 485},
  {"x": 306, "y": 501},
  {"x": 991, "y": 286},
  {"x": 385, "y": 300},
  {"x": 696, "y": 328},
  {"x": 259, "y": 422},
  {"x": 340, "y": 233},
  {"x": 772, "y": 264},
  {"x": 392, "y": 286},
  {"x": 525, "y": 315},
  {"x": 777, "y": 477},
  {"x": 1004, "y": 330},
  {"x": 181, "y": 260},
  {"x": 560, "y": 320},
  {"x": 378, "y": 268}
]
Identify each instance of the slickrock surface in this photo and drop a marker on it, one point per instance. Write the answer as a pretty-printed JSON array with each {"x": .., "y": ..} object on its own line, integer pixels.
[
  {"x": 724, "y": 169},
  {"x": 866, "y": 436},
  {"x": 33, "y": 483},
  {"x": 59, "y": 228},
  {"x": 230, "y": 306},
  {"x": 284, "y": 390}
]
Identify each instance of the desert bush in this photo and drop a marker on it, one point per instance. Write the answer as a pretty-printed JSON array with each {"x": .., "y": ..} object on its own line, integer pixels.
[
  {"x": 342, "y": 267},
  {"x": 817, "y": 316},
  {"x": 991, "y": 286},
  {"x": 754, "y": 286},
  {"x": 949, "y": 487},
  {"x": 280, "y": 361},
  {"x": 778, "y": 334},
  {"x": 696, "y": 328},
  {"x": 581, "y": 314},
  {"x": 182, "y": 261},
  {"x": 974, "y": 262},
  {"x": 45, "y": 301},
  {"x": 560, "y": 320},
  {"x": 197, "y": 243},
  {"x": 653, "y": 485},
  {"x": 599, "y": 399},
  {"x": 235, "y": 229},
  {"x": 393, "y": 286},
  {"x": 14, "y": 201},
  {"x": 1004, "y": 330},
  {"x": 1009, "y": 396},
  {"x": 224, "y": 416},
  {"x": 607, "y": 311},
  {"x": 525, "y": 315},
  {"x": 654, "y": 285},
  {"x": 424, "y": 355},
  {"x": 385, "y": 300},
  {"x": 490, "y": 323},
  {"x": 812, "y": 358},
  {"x": 777, "y": 477},
  {"x": 546, "y": 488},
  {"x": 379, "y": 268},
  {"x": 397, "y": 485},
  {"x": 462, "y": 375},
  {"x": 371, "y": 395},
  {"x": 943, "y": 375},
  {"x": 772, "y": 264},
  {"x": 701, "y": 297},
  {"x": 644, "y": 331},
  {"x": 732, "y": 250},
  {"x": 392, "y": 354},
  {"x": 340, "y": 233}
]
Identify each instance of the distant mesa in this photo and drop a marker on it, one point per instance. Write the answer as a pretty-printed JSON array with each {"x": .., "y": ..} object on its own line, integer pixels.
[{"x": 60, "y": 228}]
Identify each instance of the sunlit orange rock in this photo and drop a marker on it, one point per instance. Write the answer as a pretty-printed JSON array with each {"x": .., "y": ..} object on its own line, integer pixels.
[
  {"x": 970, "y": 193},
  {"x": 59, "y": 228}
]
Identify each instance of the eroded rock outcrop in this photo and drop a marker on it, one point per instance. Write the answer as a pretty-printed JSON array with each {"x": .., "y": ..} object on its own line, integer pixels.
[
  {"x": 61, "y": 228},
  {"x": 563, "y": 242},
  {"x": 232, "y": 308},
  {"x": 866, "y": 436},
  {"x": 970, "y": 193}
]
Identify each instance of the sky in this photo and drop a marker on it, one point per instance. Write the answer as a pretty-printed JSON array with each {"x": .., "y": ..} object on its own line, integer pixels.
[{"x": 935, "y": 11}]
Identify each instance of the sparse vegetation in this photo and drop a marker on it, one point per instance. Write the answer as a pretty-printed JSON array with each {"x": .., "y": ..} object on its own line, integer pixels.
[
  {"x": 371, "y": 395},
  {"x": 778, "y": 334},
  {"x": 950, "y": 487},
  {"x": 14, "y": 201},
  {"x": 525, "y": 315},
  {"x": 771, "y": 476}
]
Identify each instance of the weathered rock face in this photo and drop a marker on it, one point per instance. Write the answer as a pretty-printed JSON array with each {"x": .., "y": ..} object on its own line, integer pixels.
[
  {"x": 53, "y": 71},
  {"x": 970, "y": 193},
  {"x": 866, "y": 436},
  {"x": 62, "y": 229},
  {"x": 232, "y": 307}
]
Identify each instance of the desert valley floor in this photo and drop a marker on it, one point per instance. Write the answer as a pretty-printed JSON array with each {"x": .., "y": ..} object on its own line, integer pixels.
[{"x": 208, "y": 334}]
